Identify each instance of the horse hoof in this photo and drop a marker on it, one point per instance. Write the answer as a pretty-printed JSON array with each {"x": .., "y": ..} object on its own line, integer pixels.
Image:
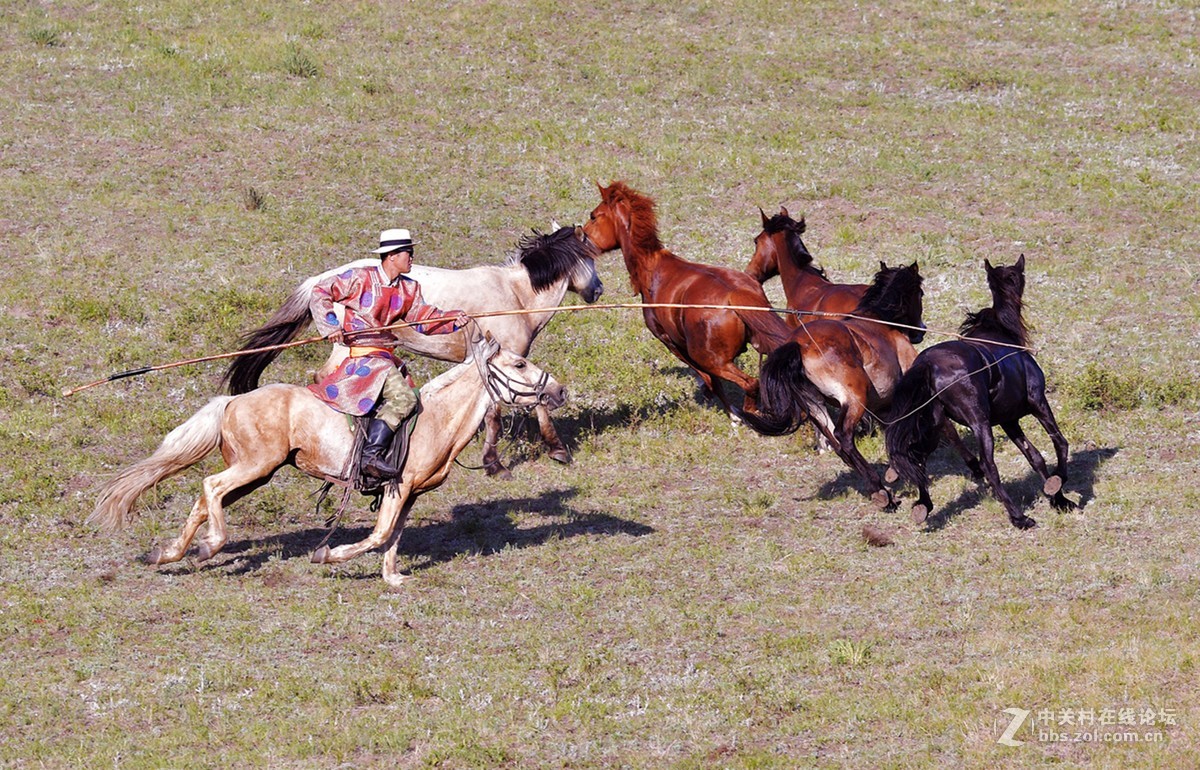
[
  {"x": 1052, "y": 486},
  {"x": 891, "y": 476},
  {"x": 919, "y": 513},
  {"x": 561, "y": 455},
  {"x": 205, "y": 552},
  {"x": 882, "y": 499},
  {"x": 154, "y": 558},
  {"x": 1025, "y": 522},
  {"x": 321, "y": 555}
]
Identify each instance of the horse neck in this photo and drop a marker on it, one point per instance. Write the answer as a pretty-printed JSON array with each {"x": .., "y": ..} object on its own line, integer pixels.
[
  {"x": 643, "y": 255},
  {"x": 528, "y": 299},
  {"x": 453, "y": 405}
]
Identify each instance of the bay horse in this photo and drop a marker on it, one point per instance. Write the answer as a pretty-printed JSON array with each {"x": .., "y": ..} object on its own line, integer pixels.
[
  {"x": 779, "y": 251},
  {"x": 538, "y": 275},
  {"x": 852, "y": 363},
  {"x": 988, "y": 379},
  {"x": 707, "y": 339},
  {"x": 260, "y": 431}
]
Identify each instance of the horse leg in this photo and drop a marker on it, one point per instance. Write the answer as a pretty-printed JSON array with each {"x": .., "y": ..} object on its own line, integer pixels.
[
  {"x": 983, "y": 432},
  {"x": 209, "y": 507},
  {"x": 558, "y": 450},
  {"x": 491, "y": 458},
  {"x": 389, "y": 515},
  {"x": 392, "y": 576},
  {"x": 1053, "y": 486},
  {"x": 951, "y": 435},
  {"x": 1052, "y": 489},
  {"x": 851, "y": 415}
]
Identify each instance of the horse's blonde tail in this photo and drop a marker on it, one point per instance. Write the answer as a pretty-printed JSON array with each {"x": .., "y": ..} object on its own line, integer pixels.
[{"x": 182, "y": 448}]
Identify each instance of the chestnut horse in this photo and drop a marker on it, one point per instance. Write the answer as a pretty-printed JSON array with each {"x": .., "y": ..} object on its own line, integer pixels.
[
  {"x": 538, "y": 275},
  {"x": 985, "y": 380},
  {"x": 853, "y": 363},
  {"x": 260, "y": 431},
  {"x": 779, "y": 251},
  {"x": 706, "y": 339}
]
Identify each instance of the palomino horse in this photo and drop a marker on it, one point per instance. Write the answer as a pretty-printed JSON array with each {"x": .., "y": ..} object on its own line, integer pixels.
[
  {"x": 853, "y": 363},
  {"x": 707, "y": 339},
  {"x": 260, "y": 431},
  {"x": 537, "y": 276},
  {"x": 985, "y": 380},
  {"x": 779, "y": 251}
]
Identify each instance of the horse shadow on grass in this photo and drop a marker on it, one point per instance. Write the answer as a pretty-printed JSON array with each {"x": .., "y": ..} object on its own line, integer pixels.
[
  {"x": 1083, "y": 467},
  {"x": 473, "y": 529}
]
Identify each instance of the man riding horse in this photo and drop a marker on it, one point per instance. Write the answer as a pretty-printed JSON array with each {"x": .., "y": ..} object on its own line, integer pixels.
[{"x": 372, "y": 380}]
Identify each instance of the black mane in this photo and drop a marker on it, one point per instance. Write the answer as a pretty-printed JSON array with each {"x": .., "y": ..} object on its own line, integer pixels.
[
  {"x": 550, "y": 258},
  {"x": 782, "y": 223},
  {"x": 1003, "y": 319},
  {"x": 892, "y": 294}
]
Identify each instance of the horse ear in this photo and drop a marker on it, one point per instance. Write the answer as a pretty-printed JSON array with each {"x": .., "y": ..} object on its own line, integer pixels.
[
  {"x": 490, "y": 346},
  {"x": 1021, "y": 262},
  {"x": 783, "y": 210},
  {"x": 763, "y": 214},
  {"x": 554, "y": 226},
  {"x": 987, "y": 265},
  {"x": 914, "y": 267},
  {"x": 801, "y": 225},
  {"x": 882, "y": 265}
]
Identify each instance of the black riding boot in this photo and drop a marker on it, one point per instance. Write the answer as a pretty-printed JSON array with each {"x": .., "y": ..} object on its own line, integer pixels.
[{"x": 379, "y": 440}]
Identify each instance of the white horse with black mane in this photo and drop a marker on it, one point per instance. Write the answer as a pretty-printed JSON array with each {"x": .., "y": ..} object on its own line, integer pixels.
[{"x": 537, "y": 277}]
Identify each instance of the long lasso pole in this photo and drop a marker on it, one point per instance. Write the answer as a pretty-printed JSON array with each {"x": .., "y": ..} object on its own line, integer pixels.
[{"x": 523, "y": 311}]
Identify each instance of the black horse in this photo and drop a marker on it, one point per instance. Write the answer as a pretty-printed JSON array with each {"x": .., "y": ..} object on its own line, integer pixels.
[{"x": 985, "y": 380}]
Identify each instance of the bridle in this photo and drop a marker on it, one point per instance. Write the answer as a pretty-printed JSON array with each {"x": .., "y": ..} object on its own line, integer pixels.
[{"x": 496, "y": 381}]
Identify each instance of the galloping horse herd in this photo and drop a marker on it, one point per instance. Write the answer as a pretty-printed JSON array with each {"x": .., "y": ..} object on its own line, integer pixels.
[{"x": 840, "y": 353}]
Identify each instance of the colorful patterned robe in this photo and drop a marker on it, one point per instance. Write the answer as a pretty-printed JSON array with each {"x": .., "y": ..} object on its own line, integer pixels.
[{"x": 370, "y": 303}]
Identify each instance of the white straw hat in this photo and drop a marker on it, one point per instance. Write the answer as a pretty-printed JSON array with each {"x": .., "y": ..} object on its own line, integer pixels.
[{"x": 393, "y": 240}]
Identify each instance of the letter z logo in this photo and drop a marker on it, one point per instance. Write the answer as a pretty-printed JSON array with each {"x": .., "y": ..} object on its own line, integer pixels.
[{"x": 1018, "y": 718}]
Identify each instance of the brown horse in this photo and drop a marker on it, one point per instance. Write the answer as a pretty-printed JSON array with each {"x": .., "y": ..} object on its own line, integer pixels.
[
  {"x": 853, "y": 363},
  {"x": 705, "y": 338},
  {"x": 779, "y": 251},
  {"x": 260, "y": 431}
]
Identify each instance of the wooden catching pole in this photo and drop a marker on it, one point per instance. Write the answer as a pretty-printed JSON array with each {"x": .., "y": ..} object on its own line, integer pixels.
[{"x": 495, "y": 313}]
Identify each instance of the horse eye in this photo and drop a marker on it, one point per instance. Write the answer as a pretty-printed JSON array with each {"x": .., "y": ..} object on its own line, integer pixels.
[{"x": 520, "y": 364}]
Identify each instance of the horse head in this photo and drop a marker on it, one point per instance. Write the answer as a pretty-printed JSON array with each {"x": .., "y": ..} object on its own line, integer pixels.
[
  {"x": 566, "y": 254},
  {"x": 896, "y": 296},
  {"x": 513, "y": 380},
  {"x": 779, "y": 240}
]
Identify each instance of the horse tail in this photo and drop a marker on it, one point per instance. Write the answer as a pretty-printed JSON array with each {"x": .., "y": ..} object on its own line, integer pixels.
[
  {"x": 182, "y": 448},
  {"x": 767, "y": 330},
  {"x": 243, "y": 373},
  {"x": 913, "y": 435},
  {"x": 786, "y": 396}
]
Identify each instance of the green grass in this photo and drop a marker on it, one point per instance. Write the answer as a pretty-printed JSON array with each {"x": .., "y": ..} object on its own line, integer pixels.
[{"x": 687, "y": 594}]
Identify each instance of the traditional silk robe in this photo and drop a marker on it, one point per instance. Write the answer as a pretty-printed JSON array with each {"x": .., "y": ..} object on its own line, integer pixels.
[{"x": 371, "y": 302}]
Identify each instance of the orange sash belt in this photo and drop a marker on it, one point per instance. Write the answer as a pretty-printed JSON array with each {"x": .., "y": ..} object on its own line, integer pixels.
[{"x": 357, "y": 351}]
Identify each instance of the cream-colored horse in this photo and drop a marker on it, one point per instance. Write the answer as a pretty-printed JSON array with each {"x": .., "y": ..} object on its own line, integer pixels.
[{"x": 260, "y": 431}]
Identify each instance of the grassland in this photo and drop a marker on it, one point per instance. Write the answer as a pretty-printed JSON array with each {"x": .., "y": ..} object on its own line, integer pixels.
[{"x": 686, "y": 594}]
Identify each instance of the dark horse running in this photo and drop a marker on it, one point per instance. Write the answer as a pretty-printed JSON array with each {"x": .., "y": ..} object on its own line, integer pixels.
[
  {"x": 988, "y": 379},
  {"x": 853, "y": 363}
]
